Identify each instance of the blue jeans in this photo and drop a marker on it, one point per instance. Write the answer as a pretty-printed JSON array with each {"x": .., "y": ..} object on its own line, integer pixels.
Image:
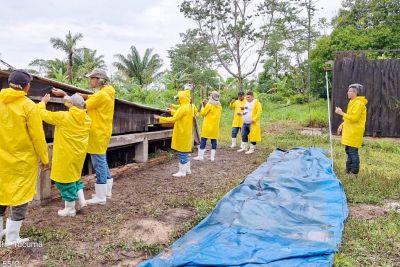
[
  {"x": 203, "y": 143},
  {"x": 101, "y": 168},
  {"x": 245, "y": 133},
  {"x": 235, "y": 131},
  {"x": 353, "y": 160},
  {"x": 183, "y": 157}
]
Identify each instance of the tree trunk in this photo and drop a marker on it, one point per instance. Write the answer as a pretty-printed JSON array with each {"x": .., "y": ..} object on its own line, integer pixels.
[
  {"x": 70, "y": 68},
  {"x": 241, "y": 85}
]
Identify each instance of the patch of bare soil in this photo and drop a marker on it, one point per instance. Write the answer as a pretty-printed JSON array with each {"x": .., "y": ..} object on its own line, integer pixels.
[
  {"x": 146, "y": 208},
  {"x": 365, "y": 211},
  {"x": 312, "y": 131}
]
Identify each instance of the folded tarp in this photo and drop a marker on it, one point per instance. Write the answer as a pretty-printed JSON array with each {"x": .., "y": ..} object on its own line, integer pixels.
[{"x": 288, "y": 212}]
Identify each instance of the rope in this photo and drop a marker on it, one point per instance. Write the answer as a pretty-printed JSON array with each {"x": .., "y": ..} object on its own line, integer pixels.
[{"x": 329, "y": 115}]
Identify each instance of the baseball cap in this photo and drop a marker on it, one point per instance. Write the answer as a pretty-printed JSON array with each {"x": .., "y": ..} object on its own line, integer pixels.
[
  {"x": 98, "y": 73},
  {"x": 20, "y": 77}
]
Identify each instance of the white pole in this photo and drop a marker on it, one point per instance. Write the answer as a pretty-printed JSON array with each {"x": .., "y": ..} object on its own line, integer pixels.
[{"x": 329, "y": 115}]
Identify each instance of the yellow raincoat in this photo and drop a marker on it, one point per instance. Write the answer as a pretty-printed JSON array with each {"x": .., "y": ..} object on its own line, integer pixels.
[
  {"x": 255, "y": 128},
  {"x": 212, "y": 118},
  {"x": 100, "y": 107},
  {"x": 183, "y": 125},
  {"x": 71, "y": 139},
  {"x": 23, "y": 143},
  {"x": 237, "y": 106},
  {"x": 354, "y": 122}
]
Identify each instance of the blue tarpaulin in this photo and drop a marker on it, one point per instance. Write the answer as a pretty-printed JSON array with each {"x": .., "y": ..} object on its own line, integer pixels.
[{"x": 288, "y": 212}]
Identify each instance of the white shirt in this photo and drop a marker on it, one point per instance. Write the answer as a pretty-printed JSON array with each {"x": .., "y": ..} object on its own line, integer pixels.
[{"x": 248, "y": 110}]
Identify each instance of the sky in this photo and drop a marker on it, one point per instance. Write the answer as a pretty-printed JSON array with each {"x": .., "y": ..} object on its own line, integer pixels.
[{"x": 110, "y": 27}]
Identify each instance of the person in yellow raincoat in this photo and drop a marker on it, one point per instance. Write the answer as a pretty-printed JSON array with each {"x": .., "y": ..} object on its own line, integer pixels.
[
  {"x": 23, "y": 144},
  {"x": 182, "y": 139},
  {"x": 100, "y": 108},
  {"x": 238, "y": 107},
  {"x": 353, "y": 126},
  {"x": 187, "y": 89},
  {"x": 251, "y": 130},
  {"x": 210, "y": 130},
  {"x": 71, "y": 140}
]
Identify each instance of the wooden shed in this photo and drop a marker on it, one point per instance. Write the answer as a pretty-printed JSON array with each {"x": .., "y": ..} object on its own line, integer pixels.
[
  {"x": 134, "y": 136},
  {"x": 381, "y": 80}
]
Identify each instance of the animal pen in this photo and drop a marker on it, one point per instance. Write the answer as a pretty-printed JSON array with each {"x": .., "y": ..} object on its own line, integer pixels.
[
  {"x": 380, "y": 78},
  {"x": 134, "y": 136}
]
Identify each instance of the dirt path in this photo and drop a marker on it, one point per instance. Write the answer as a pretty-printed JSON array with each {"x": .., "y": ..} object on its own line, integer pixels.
[{"x": 147, "y": 208}]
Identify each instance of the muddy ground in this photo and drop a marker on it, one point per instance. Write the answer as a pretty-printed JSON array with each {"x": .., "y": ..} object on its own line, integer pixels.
[{"x": 149, "y": 208}]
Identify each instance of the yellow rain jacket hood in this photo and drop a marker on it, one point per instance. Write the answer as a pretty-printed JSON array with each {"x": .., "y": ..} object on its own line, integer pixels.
[
  {"x": 212, "y": 118},
  {"x": 23, "y": 143},
  {"x": 183, "y": 124},
  {"x": 354, "y": 122},
  {"x": 237, "y": 106},
  {"x": 255, "y": 128},
  {"x": 100, "y": 107},
  {"x": 71, "y": 140}
]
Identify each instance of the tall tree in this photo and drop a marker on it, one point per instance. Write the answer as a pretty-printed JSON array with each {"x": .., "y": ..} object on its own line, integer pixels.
[
  {"x": 69, "y": 47},
  {"x": 195, "y": 58},
  {"x": 239, "y": 28},
  {"x": 143, "y": 70}
]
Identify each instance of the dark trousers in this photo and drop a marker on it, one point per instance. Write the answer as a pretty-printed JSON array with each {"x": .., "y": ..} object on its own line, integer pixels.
[
  {"x": 235, "y": 131},
  {"x": 203, "y": 143},
  {"x": 353, "y": 160},
  {"x": 17, "y": 212},
  {"x": 245, "y": 133}
]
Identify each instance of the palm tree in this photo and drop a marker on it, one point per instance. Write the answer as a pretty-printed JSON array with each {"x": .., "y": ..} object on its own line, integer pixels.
[
  {"x": 52, "y": 68},
  {"x": 143, "y": 70},
  {"x": 69, "y": 47},
  {"x": 85, "y": 60}
]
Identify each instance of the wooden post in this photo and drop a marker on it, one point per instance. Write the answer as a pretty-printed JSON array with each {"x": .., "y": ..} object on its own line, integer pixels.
[{"x": 43, "y": 186}]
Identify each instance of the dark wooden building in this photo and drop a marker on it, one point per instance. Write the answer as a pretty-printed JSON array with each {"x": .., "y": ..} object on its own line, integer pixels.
[{"x": 381, "y": 80}]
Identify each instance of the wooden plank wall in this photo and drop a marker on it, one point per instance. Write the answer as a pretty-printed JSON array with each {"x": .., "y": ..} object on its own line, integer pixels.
[
  {"x": 381, "y": 79},
  {"x": 128, "y": 117}
]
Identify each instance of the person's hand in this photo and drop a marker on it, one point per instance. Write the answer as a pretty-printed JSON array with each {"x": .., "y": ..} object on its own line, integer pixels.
[
  {"x": 84, "y": 96},
  {"x": 239, "y": 114},
  {"x": 46, "y": 98},
  {"x": 205, "y": 101},
  {"x": 58, "y": 92},
  {"x": 339, "y": 130},
  {"x": 45, "y": 167},
  {"x": 339, "y": 111},
  {"x": 252, "y": 122},
  {"x": 157, "y": 117}
]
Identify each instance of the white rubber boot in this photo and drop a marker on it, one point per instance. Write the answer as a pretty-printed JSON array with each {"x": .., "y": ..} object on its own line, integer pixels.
[
  {"x": 233, "y": 145},
  {"x": 243, "y": 147},
  {"x": 181, "y": 172},
  {"x": 188, "y": 170},
  {"x": 100, "y": 196},
  {"x": 81, "y": 197},
  {"x": 2, "y": 230},
  {"x": 110, "y": 183},
  {"x": 12, "y": 233},
  {"x": 69, "y": 209},
  {"x": 251, "y": 150},
  {"x": 200, "y": 155},
  {"x": 212, "y": 155}
]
